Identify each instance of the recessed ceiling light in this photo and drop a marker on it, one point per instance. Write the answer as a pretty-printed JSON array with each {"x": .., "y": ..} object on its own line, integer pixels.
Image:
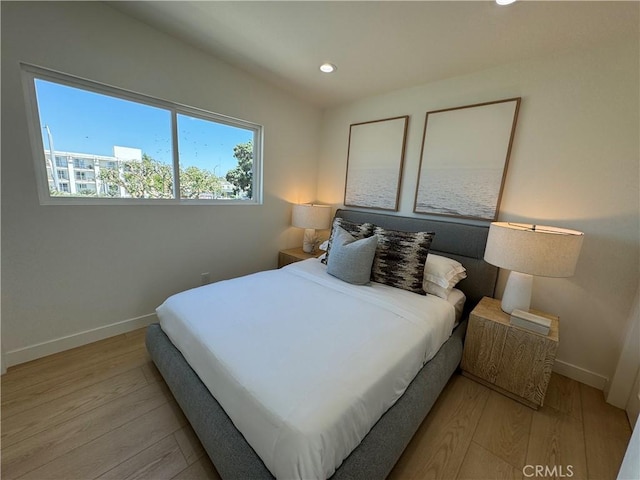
[
  {"x": 505, "y": 2},
  {"x": 328, "y": 68}
]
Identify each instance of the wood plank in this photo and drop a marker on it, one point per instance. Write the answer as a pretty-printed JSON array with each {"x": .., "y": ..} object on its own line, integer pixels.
[
  {"x": 557, "y": 442},
  {"x": 500, "y": 390},
  {"x": 162, "y": 460},
  {"x": 151, "y": 372},
  {"x": 42, "y": 417},
  {"x": 563, "y": 394},
  {"x": 504, "y": 429},
  {"x": 607, "y": 434},
  {"x": 437, "y": 450},
  {"x": 67, "y": 363},
  {"x": 203, "y": 469},
  {"x": 16, "y": 401},
  {"x": 37, "y": 451},
  {"x": 189, "y": 444},
  {"x": 136, "y": 336},
  {"x": 107, "y": 451},
  {"x": 606, "y": 419},
  {"x": 481, "y": 464},
  {"x": 56, "y": 360}
]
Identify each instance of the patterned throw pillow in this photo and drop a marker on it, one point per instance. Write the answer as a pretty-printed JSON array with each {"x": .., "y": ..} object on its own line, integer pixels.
[
  {"x": 400, "y": 258},
  {"x": 357, "y": 230}
]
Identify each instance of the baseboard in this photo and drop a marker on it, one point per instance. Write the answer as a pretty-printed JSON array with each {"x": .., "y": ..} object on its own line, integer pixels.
[
  {"x": 39, "y": 350},
  {"x": 579, "y": 374}
]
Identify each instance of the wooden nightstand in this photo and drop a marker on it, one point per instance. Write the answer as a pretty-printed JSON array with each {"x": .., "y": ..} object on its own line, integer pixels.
[
  {"x": 508, "y": 359},
  {"x": 292, "y": 255}
]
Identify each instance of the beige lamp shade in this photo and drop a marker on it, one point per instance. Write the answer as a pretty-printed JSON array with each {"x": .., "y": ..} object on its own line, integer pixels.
[
  {"x": 311, "y": 218},
  {"x": 533, "y": 249},
  {"x": 529, "y": 250},
  {"x": 316, "y": 217}
]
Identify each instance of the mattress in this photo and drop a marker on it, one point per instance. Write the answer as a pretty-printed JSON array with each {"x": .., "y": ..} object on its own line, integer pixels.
[{"x": 303, "y": 363}]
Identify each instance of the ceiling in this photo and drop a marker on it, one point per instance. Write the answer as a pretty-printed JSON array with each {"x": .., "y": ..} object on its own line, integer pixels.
[{"x": 380, "y": 46}]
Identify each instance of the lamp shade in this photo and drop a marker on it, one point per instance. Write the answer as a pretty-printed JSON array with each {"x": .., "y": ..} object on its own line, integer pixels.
[
  {"x": 533, "y": 249},
  {"x": 317, "y": 217}
]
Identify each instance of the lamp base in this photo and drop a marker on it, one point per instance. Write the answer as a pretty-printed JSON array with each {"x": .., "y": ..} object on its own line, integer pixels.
[
  {"x": 517, "y": 293},
  {"x": 309, "y": 241}
]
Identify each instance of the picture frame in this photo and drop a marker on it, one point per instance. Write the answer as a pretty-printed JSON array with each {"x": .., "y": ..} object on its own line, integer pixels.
[
  {"x": 375, "y": 160},
  {"x": 464, "y": 159}
]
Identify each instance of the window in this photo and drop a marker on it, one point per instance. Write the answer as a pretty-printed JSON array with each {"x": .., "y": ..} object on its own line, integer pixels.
[
  {"x": 81, "y": 163},
  {"x": 80, "y": 175},
  {"x": 121, "y": 147}
]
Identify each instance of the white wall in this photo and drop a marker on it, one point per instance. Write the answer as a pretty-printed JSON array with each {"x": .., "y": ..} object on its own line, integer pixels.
[
  {"x": 574, "y": 164},
  {"x": 74, "y": 269},
  {"x": 623, "y": 386}
]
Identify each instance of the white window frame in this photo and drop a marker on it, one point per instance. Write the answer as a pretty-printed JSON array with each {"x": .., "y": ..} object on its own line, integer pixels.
[{"x": 30, "y": 73}]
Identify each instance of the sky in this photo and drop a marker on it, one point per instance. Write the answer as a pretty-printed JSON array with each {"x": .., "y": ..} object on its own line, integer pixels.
[{"x": 86, "y": 122}]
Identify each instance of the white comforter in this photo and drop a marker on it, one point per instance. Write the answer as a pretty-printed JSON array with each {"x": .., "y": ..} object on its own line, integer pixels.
[{"x": 303, "y": 363}]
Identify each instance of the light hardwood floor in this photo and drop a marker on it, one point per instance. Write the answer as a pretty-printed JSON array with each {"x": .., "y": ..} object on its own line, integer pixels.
[{"x": 103, "y": 411}]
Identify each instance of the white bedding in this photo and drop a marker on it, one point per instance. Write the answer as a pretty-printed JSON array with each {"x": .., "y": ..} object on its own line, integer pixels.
[{"x": 303, "y": 363}]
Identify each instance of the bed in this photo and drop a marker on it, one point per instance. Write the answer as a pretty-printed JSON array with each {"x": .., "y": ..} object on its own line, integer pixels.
[{"x": 373, "y": 449}]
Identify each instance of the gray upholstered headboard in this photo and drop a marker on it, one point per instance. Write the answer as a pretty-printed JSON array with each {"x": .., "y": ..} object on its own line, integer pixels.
[{"x": 462, "y": 242}]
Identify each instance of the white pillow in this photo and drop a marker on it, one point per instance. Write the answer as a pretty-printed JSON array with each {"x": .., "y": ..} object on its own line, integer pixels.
[
  {"x": 436, "y": 290},
  {"x": 443, "y": 271},
  {"x": 441, "y": 274}
]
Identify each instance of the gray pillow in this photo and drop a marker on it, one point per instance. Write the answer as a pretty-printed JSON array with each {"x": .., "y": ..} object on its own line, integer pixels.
[
  {"x": 351, "y": 259},
  {"x": 358, "y": 230}
]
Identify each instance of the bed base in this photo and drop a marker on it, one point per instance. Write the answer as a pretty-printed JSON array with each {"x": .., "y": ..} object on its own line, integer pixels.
[{"x": 234, "y": 458}]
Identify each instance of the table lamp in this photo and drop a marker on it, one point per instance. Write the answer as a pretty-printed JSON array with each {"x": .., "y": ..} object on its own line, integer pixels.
[
  {"x": 529, "y": 250},
  {"x": 311, "y": 218}
]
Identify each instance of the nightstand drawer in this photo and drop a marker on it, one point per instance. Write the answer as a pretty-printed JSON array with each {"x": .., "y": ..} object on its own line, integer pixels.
[
  {"x": 484, "y": 343},
  {"x": 527, "y": 361},
  {"x": 511, "y": 360}
]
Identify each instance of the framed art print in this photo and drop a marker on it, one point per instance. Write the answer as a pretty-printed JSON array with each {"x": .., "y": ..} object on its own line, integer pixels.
[
  {"x": 465, "y": 153},
  {"x": 374, "y": 163}
]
